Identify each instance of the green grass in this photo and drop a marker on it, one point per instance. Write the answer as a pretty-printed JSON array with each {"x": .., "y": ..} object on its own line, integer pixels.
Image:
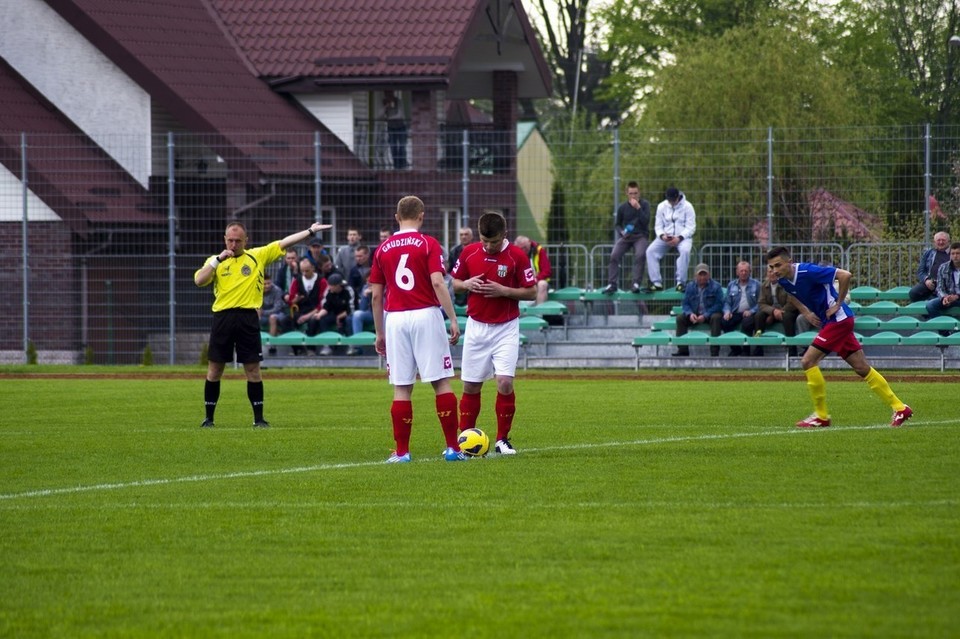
[{"x": 636, "y": 507}]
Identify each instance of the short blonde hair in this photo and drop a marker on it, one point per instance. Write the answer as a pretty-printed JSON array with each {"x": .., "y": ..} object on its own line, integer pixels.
[{"x": 409, "y": 207}]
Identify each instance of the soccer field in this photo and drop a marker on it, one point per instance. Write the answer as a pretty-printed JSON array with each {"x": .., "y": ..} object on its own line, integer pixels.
[{"x": 637, "y": 506}]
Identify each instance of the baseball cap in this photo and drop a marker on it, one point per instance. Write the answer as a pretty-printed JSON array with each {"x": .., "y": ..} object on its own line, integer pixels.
[
  {"x": 316, "y": 242},
  {"x": 334, "y": 279},
  {"x": 673, "y": 193},
  {"x": 702, "y": 268}
]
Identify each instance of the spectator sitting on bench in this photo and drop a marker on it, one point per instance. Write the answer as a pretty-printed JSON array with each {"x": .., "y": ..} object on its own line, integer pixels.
[
  {"x": 540, "y": 263},
  {"x": 740, "y": 305},
  {"x": 775, "y": 306},
  {"x": 335, "y": 305},
  {"x": 948, "y": 285},
  {"x": 273, "y": 310},
  {"x": 702, "y": 303},
  {"x": 930, "y": 263},
  {"x": 305, "y": 295}
]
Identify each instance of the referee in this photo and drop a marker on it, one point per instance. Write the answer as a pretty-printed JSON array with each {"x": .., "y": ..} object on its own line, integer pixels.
[{"x": 237, "y": 277}]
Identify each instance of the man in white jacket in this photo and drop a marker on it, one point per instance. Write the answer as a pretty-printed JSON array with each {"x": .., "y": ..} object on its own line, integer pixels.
[{"x": 675, "y": 224}]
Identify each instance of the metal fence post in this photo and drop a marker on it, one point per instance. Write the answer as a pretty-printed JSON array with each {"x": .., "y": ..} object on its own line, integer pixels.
[
  {"x": 171, "y": 248},
  {"x": 770, "y": 186},
  {"x": 465, "y": 177},
  {"x": 616, "y": 179},
  {"x": 25, "y": 251},
  {"x": 317, "y": 179},
  {"x": 926, "y": 185}
]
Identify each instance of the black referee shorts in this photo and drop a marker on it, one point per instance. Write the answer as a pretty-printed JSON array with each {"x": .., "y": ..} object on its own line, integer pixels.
[{"x": 235, "y": 328}]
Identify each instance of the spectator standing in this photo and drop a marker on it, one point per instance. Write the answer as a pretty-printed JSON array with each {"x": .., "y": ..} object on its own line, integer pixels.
[
  {"x": 740, "y": 305},
  {"x": 361, "y": 291},
  {"x": 385, "y": 233},
  {"x": 498, "y": 275},
  {"x": 930, "y": 263},
  {"x": 812, "y": 288},
  {"x": 273, "y": 311},
  {"x": 237, "y": 276},
  {"x": 632, "y": 226},
  {"x": 775, "y": 306},
  {"x": 406, "y": 280},
  {"x": 396, "y": 130},
  {"x": 540, "y": 262},
  {"x": 702, "y": 304},
  {"x": 948, "y": 285},
  {"x": 466, "y": 238},
  {"x": 288, "y": 271},
  {"x": 346, "y": 255},
  {"x": 675, "y": 224}
]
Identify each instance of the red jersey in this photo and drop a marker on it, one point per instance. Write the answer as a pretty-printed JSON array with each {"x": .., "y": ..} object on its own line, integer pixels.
[
  {"x": 403, "y": 265},
  {"x": 510, "y": 267}
]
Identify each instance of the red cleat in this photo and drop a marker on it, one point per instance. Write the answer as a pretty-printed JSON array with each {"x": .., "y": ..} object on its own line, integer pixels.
[
  {"x": 813, "y": 422},
  {"x": 900, "y": 416}
]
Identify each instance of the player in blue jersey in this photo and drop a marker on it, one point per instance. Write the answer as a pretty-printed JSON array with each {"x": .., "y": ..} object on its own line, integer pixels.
[{"x": 811, "y": 288}]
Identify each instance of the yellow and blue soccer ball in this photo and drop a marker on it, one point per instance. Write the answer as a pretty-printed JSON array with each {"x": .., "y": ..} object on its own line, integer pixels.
[{"x": 474, "y": 442}]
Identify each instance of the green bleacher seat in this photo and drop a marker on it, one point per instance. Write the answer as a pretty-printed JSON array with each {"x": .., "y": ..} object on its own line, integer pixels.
[
  {"x": 363, "y": 338},
  {"x": 547, "y": 308},
  {"x": 900, "y": 323},
  {"x": 883, "y": 338},
  {"x": 653, "y": 339},
  {"x": 941, "y": 323},
  {"x": 866, "y": 323},
  {"x": 921, "y": 338},
  {"x": 265, "y": 338},
  {"x": 567, "y": 294},
  {"x": 733, "y": 338},
  {"x": 460, "y": 310},
  {"x": 950, "y": 340},
  {"x": 768, "y": 338},
  {"x": 897, "y": 293},
  {"x": 326, "y": 338},
  {"x": 693, "y": 338},
  {"x": 803, "y": 339},
  {"x": 865, "y": 293},
  {"x": 292, "y": 338},
  {"x": 884, "y": 307},
  {"x": 914, "y": 308},
  {"x": 664, "y": 325},
  {"x": 531, "y": 323}
]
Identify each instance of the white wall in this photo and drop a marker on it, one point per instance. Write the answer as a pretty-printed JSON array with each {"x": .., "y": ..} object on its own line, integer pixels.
[
  {"x": 11, "y": 201},
  {"x": 79, "y": 80},
  {"x": 334, "y": 111}
]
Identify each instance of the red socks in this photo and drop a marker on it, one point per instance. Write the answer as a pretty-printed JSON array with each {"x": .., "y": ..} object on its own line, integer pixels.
[
  {"x": 447, "y": 414},
  {"x": 469, "y": 410},
  {"x": 506, "y": 406},
  {"x": 401, "y": 412}
]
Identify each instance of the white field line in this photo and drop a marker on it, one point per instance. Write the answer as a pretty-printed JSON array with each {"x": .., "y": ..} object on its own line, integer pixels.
[{"x": 71, "y": 490}]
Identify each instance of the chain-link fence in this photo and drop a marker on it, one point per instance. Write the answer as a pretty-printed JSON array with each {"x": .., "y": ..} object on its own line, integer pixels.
[{"x": 101, "y": 240}]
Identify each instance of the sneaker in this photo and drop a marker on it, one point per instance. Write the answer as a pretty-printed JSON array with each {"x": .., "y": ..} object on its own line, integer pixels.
[
  {"x": 635, "y": 288},
  {"x": 609, "y": 289},
  {"x": 353, "y": 350},
  {"x": 680, "y": 287},
  {"x": 680, "y": 354},
  {"x": 326, "y": 351},
  {"x": 207, "y": 423},
  {"x": 452, "y": 454},
  {"x": 272, "y": 350},
  {"x": 504, "y": 447},
  {"x": 261, "y": 423},
  {"x": 901, "y": 416},
  {"x": 656, "y": 287},
  {"x": 813, "y": 422},
  {"x": 394, "y": 458}
]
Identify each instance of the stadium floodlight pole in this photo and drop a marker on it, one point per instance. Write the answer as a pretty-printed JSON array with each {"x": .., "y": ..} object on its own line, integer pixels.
[
  {"x": 25, "y": 250},
  {"x": 172, "y": 246}
]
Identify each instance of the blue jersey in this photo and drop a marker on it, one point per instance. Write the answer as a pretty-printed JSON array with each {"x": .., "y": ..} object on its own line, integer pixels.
[{"x": 813, "y": 285}]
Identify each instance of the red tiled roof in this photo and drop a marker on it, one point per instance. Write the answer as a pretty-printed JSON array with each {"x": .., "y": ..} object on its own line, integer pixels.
[
  {"x": 65, "y": 168},
  {"x": 349, "y": 38},
  {"x": 179, "y": 53}
]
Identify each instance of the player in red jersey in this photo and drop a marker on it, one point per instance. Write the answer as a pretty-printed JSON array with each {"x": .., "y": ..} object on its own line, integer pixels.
[
  {"x": 406, "y": 280},
  {"x": 498, "y": 275}
]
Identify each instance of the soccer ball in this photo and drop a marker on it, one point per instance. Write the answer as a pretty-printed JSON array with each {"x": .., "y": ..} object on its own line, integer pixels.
[{"x": 474, "y": 442}]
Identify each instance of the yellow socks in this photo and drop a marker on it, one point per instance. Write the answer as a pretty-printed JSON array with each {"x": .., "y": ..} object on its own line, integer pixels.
[
  {"x": 882, "y": 389},
  {"x": 818, "y": 391}
]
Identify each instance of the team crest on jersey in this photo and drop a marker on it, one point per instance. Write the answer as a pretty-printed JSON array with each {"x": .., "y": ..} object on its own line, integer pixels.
[
  {"x": 501, "y": 270},
  {"x": 246, "y": 270}
]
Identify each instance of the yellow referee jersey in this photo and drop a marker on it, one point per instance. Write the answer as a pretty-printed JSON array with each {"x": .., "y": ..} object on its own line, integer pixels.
[{"x": 238, "y": 282}]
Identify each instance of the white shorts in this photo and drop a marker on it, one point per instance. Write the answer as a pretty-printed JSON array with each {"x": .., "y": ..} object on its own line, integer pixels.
[
  {"x": 417, "y": 340},
  {"x": 490, "y": 349}
]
